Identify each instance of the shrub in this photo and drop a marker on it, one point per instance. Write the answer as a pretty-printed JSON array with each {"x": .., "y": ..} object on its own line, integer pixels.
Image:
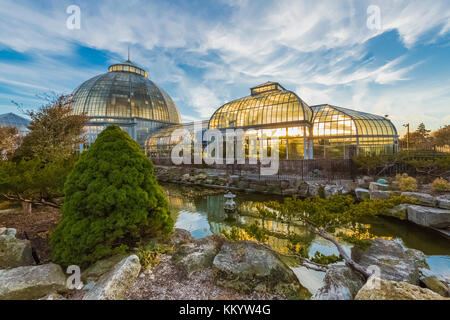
[
  {"x": 441, "y": 185},
  {"x": 406, "y": 183},
  {"x": 112, "y": 202}
]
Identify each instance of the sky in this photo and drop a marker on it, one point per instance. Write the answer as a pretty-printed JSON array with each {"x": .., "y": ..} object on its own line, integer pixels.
[{"x": 388, "y": 57}]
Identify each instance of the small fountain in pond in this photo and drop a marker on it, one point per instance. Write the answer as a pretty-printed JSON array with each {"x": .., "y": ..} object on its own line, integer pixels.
[{"x": 230, "y": 205}]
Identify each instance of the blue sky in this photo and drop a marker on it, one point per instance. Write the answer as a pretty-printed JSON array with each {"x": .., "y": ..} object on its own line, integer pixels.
[{"x": 205, "y": 53}]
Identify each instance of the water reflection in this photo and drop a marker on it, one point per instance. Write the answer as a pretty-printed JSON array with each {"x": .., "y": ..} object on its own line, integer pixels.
[{"x": 204, "y": 215}]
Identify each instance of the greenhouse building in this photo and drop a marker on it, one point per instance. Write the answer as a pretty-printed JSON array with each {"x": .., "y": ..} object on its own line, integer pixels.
[
  {"x": 126, "y": 97},
  {"x": 343, "y": 133},
  {"x": 304, "y": 132}
]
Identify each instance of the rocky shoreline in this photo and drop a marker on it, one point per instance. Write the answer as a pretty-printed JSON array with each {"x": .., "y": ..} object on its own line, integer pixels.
[{"x": 216, "y": 268}]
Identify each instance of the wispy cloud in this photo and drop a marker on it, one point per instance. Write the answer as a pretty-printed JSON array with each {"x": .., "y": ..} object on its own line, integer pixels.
[{"x": 206, "y": 54}]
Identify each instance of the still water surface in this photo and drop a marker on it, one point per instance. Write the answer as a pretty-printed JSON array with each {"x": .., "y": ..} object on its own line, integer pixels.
[{"x": 203, "y": 215}]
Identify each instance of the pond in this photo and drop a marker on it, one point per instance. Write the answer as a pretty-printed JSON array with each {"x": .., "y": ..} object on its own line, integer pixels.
[{"x": 201, "y": 213}]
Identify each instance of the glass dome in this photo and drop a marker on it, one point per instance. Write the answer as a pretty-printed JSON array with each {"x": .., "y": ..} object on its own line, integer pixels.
[
  {"x": 268, "y": 104},
  {"x": 125, "y": 92}
]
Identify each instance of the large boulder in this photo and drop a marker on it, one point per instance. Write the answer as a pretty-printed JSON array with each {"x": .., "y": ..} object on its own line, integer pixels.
[
  {"x": 429, "y": 217},
  {"x": 393, "y": 290},
  {"x": 197, "y": 255},
  {"x": 362, "y": 194},
  {"x": 435, "y": 285},
  {"x": 392, "y": 260},
  {"x": 14, "y": 252},
  {"x": 247, "y": 266},
  {"x": 340, "y": 283},
  {"x": 114, "y": 284},
  {"x": 423, "y": 198},
  {"x": 31, "y": 282}
]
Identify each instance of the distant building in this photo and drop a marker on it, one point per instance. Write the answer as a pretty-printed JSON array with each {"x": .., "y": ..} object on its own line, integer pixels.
[{"x": 13, "y": 120}]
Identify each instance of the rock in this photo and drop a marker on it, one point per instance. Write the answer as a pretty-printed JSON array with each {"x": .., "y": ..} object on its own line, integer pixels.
[
  {"x": 197, "y": 255},
  {"x": 362, "y": 194},
  {"x": 393, "y": 261},
  {"x": 101, "y": 267},
  {"x": 382, "y": 195},
  {"x": 14, "y": 252},
  {"x": 303, "y": 189},
  {"x": 348, "y": 185},
  {"x": 435, "y": 285},
  {"x": 31, "y": 282},
  {"x": 399, "y": 212},
  {"x": 332, "y": 190},
  {"x": 181, "y": 236},
  {"x": 114, "y": 284},
  {"x": 340, "y": 283},
  {"x": 443, "y": 202},
  {"x": 364, "y": 182},
  {"x": 393, "y": 290},
  {"x": 313, "y": 188},
  {"x": 247, "y": 266},
  {"x": 257, "y": 187},
  {"x": 243, "y": 184},
  {"x": 185, "y": 177},
  {"x": 375, "y": 186},
  {"x": 429, "y": 217},
  {"x": 424, "y": 198},
  {"x": 234, "y": 179},
  {"x": 221, "y": 181},
  {"x": 201, "y": 176}
]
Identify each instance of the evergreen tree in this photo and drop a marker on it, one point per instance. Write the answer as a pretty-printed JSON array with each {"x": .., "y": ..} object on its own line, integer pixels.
[{"x": 112, "y": 201}]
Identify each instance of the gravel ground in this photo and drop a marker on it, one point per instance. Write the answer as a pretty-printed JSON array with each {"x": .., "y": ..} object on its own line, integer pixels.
[{"x": 167, "y": 282}]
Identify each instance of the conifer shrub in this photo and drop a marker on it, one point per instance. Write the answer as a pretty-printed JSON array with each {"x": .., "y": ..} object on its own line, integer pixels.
[{"x": 112, "y": 202}]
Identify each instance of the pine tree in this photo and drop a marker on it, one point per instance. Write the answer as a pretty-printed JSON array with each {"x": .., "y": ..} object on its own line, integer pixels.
[{"x": 112, "y": 201}]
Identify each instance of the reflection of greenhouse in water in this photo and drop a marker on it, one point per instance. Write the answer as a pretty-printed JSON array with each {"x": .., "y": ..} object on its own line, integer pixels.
[{"x": 205, "y": 216}]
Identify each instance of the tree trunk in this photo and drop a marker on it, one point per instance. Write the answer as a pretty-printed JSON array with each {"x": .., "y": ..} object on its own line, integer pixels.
[
  {"x": 26, "y": 207},
  {"x": 348, "y": 261}
]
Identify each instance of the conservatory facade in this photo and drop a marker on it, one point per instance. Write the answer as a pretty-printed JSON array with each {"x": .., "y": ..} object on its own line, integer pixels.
[
  {"x": 124, "y": 96},
  {"x": 303, "y": 132},
  {"x": 341, "y": 133}
]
